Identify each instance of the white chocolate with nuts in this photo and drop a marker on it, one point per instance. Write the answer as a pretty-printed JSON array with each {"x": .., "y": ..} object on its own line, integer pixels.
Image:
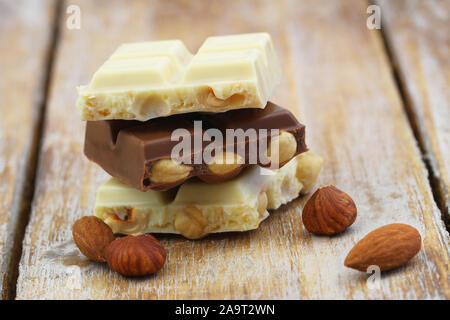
[
  {"x": 146, "y": 80},
  {"x": 198, "y": 208}
]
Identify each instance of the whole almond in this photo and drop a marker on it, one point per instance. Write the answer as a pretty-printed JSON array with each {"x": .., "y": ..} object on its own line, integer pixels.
[
  {"x": 135, "y": 255},
  {"x": 92, "y": 236},
  {"x": 329, "y": 211},
  {"x": 387, "y": 247}
]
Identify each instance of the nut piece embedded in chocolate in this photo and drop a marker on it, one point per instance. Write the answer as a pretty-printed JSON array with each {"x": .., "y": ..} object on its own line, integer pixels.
[
  {"x": 262, "y": 203},
  {"x": 196, "y": 208},
  {"x": 169, "y": 171},
  {"x": 284, "y": 148},
  {"x": 224, "y": 166},
  {"x": 224, "y": 163},
  {"x": 140, "y": 153},
  {"x": 147, "y": 80},
  {"x": 190, "y": 222},
  {"x": 309, "y": 165}
]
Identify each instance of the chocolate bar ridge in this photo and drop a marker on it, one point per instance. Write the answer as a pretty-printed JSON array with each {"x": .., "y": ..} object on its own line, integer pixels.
[
  {"x": 129, "y": 149},
  {"x": 147, "y": 80}
]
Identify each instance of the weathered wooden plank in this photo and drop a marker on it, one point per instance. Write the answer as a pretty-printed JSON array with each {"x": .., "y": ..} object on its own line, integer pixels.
[
  {"x": 419, "y": 38},
  {"x": 25, "y": 32},
  {"x": 336, "y": 75}
]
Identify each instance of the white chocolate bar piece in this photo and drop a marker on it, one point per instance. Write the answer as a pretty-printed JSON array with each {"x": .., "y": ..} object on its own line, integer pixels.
[
  {"x": 198, "y": 208},
  {"x": 146, "y": 80}
]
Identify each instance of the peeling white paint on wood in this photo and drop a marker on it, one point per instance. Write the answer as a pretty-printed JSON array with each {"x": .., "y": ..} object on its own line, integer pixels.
[
  {"x": 420, "y": 40},
  {"x": 25, "y": 28}
]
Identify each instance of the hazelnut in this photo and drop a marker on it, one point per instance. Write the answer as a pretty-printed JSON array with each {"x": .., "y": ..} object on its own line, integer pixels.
[
  {"x": 329, "y": 211},
  {"x": 92, "y": 236},
  {"x": 213, "y": 101},
  {"x": 134, "y": 256},
  {"x": 167, "y": 171},
  {"x": 308, "y": 169},
  {"x": 126, "y": 220},
  {"x": 224, "y": 163},
  {"x": 190, "y": 223},
  {"x": 262, "y": 203},
  {"x": 287, "y": 147}
]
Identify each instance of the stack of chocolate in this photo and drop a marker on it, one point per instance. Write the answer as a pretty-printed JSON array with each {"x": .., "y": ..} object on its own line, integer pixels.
[{"x": 191, "y": 142}]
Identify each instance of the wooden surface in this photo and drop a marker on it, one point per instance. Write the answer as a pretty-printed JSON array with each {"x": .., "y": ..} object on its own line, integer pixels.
[
  {"x": 337, "y": 78},
  {"x": 419, "y": 38},
  {"x": 25, "y": 29}
]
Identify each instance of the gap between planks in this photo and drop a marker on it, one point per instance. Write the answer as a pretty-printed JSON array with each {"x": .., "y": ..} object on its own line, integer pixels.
[
  {"x": 23, "y": 197},
  {"x": 433, "y": 177}
]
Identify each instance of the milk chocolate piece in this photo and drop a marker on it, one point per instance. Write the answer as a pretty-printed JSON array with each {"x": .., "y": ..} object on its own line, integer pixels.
[
  {"x": 139, "y": 153},
  {"x": 147, "y": 80},
  {"x": 197, "y": 208}
]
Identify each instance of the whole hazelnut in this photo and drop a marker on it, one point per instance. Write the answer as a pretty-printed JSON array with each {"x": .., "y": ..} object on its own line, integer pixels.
[
  {"x": 329, "y": 211},
  {"x": 134, "y": 256},
  {"x": 92, "y": 236}
]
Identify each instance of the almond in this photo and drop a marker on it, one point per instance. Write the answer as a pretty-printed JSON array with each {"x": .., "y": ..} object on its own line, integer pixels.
[
  {"x": 387, "y": 247},
  {"x": 134, "y": 256},
  {"x": 92, "y": 236},
  {"x": 329, "y": 211}
]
